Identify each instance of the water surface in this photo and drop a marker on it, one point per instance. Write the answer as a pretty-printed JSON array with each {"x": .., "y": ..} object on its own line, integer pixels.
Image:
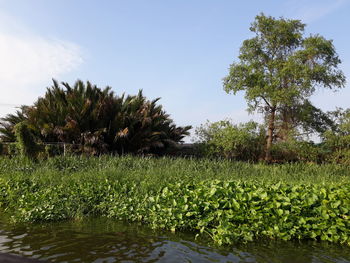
[{"x": 104, "y": 240}]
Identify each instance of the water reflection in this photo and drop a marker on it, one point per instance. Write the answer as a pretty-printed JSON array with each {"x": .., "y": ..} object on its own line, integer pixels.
[{"x": 103, "y": 240}]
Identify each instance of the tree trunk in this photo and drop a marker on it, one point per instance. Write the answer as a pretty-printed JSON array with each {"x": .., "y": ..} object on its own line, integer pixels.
[
  {"x": 287, "y": 124},
  {"x": 270, "y": 132}
]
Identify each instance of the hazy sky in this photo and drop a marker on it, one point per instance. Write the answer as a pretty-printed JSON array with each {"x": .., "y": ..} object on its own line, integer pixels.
[{"x": 178, "y": 50}]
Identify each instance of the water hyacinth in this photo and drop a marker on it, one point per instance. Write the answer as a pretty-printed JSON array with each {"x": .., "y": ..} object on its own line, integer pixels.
[{"x": 162, "y": 194}]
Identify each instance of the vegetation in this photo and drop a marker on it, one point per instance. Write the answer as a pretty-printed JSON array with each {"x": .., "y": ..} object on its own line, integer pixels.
[
  {"x": 26, "y": 142},
  {"x": 246, "y": 142},
  {"x": 223, "y": 139},
  {"x": 227, "y": 201},
  {"x": 96, "y": 121},
  {"x": 279, "y": 69}
]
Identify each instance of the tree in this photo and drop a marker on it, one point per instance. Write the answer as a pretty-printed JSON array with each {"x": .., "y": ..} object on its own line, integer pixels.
[{"x": 279, "y": 67}]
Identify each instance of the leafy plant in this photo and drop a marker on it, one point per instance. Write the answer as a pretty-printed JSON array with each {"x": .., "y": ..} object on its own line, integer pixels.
[
  {"x": 12, "y": 149},
  {"x": 226, "y": 201},
  {"x": 239, "y": 142},
  {"x": 97, "y": 121},
  {"x": 26, "y": 141}
]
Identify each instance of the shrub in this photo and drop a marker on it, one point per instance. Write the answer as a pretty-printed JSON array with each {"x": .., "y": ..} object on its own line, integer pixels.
[
  {"x": 26, "y": 141},
  {"x": 224, "y": 139},
  {"x": 339, "y": 147},
  {"x": 52, "y": 150},
  {"x": 12, "y": 149},
  {"x": 293, "y": 150},
  {"x": 341, "y": 156}
]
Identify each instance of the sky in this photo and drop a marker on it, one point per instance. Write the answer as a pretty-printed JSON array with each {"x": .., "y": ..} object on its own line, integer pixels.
[{"x": 177, "y": 50}]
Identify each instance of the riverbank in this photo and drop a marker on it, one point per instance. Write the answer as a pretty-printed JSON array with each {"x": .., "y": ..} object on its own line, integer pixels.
[{"x": 227, "y": 201}]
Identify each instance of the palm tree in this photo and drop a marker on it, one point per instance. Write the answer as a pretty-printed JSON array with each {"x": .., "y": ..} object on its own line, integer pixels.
[{"x": 97, "y": 120}]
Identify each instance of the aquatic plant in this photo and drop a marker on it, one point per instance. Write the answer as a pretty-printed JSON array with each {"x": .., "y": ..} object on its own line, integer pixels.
[{"x": 227, "y": 201}]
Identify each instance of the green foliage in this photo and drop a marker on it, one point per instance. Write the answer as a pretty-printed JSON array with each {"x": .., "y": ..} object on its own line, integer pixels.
[
  {"x": 337, "y": 141},
  {"x": 297, "y": 151},
  {"x": 8, "y": 123},
  {"x": 301, "y": 120},
  {"x": 234, "y": 211},
  {"x": 178, "y": 195},
  {"x": 279, "y": 68},
  {"x": 239, "y": 142},
  {"x": 341, "y": 156},
  {"x": 97, "y": 120},
  {"x": 52, "y": 150},
  {"x": 12, "y": 149},
  {"x": 26, "y": 141}
]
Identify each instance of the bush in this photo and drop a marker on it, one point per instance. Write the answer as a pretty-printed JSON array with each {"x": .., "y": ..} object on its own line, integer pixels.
[
  {"x": 338, "y": 146},
  {"x": 293, "y": 151},
  {"x": 224, "y": 139},
  {"x": 341, "y": 156},
  {"x": 12, "y": 149},
  {"x": 26, "y": 142},
  {"x": 52, "y": 150}
]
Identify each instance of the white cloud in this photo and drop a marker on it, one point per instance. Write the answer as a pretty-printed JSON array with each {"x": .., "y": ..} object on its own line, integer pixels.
[
  {"x": 29, "y": 62},
  {"x": 309, "y": 11}
]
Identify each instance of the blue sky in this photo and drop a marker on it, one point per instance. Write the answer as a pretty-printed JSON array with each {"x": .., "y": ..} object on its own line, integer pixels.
[{"x": 178, "y": 50}]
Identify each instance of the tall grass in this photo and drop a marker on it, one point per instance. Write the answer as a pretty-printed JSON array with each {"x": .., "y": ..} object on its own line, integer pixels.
[{"x": 155, "y": 173}]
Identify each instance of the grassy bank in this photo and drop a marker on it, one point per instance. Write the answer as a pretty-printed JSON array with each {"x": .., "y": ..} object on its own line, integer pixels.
[{"x": 229, "y": 201}]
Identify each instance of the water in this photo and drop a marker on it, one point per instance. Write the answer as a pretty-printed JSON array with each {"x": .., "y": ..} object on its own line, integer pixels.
[{"x": 104, "y": 240}]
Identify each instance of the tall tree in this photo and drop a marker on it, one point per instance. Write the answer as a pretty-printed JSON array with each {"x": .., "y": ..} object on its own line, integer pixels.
[{"x": 279, "y": 67}]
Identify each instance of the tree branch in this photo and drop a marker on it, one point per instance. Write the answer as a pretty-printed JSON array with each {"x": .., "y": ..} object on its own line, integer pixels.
[{"x": 268, "y": 104}]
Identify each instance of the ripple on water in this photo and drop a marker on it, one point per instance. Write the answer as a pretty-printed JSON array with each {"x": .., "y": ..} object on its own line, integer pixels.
[{"x": 104, "y": 240}]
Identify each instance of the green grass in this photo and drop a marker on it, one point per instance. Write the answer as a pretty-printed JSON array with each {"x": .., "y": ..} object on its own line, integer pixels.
[
  {"x": 155, "y": 173},
  {"x": 228, "y": 201}
]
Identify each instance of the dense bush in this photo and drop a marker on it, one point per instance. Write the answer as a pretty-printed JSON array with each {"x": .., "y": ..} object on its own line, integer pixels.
[
  {"x": 12, "y": 149},
  {"x": 338, "y": 141},
  {"x": 298, "y": 151},
  {"x": 52, "y": 150},
  {"x": 246, "y": 142},
  {"x": 26, "y": 141},
  {"x": 238, "y": 142}
]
